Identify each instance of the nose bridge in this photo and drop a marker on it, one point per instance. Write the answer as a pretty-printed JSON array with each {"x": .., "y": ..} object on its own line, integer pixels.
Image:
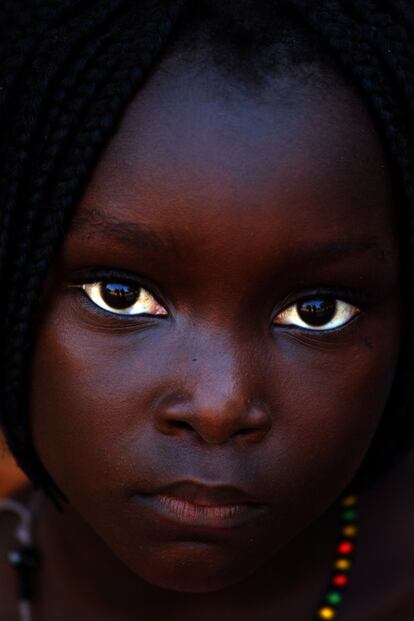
[
  {"x": 220, "y": 398},
  {"x": 222, "y": 379}
]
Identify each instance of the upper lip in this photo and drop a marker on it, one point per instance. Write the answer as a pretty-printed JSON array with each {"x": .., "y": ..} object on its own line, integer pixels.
[{"x": 206, "y": 494}]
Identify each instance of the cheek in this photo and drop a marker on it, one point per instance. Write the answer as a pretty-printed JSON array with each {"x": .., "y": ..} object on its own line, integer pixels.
[
  {"x": 333, "y": 399},
  {"x": 88, "y": 395}
]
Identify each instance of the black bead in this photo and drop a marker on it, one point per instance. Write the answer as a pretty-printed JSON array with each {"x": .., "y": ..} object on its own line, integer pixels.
[
  {"x": 24, "y": 556},
  {"x": 25, "y": 560}
]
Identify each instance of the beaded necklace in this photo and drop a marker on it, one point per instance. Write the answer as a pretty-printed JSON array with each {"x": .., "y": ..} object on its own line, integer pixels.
[
  {"x": 25, "y": 557},
  {"x": 345, "y": 549}
]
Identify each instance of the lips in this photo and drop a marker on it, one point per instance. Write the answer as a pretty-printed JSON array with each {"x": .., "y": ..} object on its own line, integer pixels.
[{"x": 198, "y": 505}]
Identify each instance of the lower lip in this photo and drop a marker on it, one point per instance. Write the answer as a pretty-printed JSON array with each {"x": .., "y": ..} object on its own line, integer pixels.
[{"x": 188, "y": 513}]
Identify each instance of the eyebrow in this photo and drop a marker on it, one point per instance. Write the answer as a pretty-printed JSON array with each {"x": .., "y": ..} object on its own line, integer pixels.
[
  {"x": 95, "y": 223},
  {"x": 338, "y": 250}
]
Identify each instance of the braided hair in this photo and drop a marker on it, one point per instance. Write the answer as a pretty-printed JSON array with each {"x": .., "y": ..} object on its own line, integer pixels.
[{"x": 68, "y": 70}]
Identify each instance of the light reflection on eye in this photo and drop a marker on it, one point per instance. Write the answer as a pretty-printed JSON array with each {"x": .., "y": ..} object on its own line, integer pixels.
[
  {"x": 123, "y": 298},
  {"x": 317, "y": 314}
]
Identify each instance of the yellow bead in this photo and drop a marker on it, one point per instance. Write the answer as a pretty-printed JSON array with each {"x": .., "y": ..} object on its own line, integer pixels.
[
  {"x": 326, "y": 613},
  {"x": 343, "y": 564},
  {"x": 350, "y": 530},
  {"x": 349, "y": 501}
]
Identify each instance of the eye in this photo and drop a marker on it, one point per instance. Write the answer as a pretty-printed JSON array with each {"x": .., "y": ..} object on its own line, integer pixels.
[
  {"x": 317, "y": 314},
  {"x": 123, "y": 298}
]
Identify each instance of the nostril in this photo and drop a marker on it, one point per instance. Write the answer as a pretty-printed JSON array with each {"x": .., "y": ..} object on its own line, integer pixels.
[
  {"x": 251, "y": 434},
  {"x": 181, "y": 424},
  {"x": 243, "y": 432}
]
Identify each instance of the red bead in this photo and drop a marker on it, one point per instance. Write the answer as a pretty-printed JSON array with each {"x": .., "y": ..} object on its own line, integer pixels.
[
  {"x": 340, "y": 580},
  {"x": 345, "y": 547}
]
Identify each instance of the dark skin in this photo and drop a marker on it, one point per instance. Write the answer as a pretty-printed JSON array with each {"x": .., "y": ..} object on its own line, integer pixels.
[{"x": 228, "y": 209}]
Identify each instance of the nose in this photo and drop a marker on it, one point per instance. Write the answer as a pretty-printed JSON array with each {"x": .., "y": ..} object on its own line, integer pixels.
[{"x": 218, "y": 402}]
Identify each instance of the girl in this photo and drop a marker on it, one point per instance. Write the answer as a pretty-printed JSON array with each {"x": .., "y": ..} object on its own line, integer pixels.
[{"x": 206, "y": 269}]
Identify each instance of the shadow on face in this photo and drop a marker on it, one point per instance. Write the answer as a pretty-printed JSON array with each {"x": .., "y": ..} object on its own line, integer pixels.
[{"x": 222, "y": 327}]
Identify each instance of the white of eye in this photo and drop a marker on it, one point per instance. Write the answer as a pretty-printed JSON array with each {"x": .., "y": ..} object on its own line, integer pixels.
[
  {"x": 122, "y": 298},
  {"x": 343, "y": 312}
]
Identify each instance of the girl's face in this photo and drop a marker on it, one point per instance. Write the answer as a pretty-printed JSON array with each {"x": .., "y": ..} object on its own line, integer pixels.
[{"x": 213, "y": 396}]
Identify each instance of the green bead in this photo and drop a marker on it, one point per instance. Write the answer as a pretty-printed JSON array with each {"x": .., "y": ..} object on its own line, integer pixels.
[
  {"x": 349, "y": 515},
  {"x": 333, "y": 598}
]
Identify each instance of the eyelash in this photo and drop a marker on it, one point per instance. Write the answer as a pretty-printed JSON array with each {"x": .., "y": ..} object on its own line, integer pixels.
[
  {"x": 110, "y": 275},
  {"x": 348, "y": 296}
]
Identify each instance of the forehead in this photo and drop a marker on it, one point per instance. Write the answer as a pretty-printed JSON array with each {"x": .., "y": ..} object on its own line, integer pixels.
[{"x": 197, "y": 159}]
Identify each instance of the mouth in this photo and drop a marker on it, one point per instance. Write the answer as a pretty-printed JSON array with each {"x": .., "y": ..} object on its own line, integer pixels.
[{"x": 198, "y": 505}]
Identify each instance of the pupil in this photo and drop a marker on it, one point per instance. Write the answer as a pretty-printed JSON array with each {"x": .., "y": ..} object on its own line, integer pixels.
[
  {"x": 316, "y": 312},
  {"x": 118, "y": 295}
]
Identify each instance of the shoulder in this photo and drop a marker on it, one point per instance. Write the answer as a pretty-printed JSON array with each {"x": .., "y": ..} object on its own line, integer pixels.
[{"x": 382, "y": 586}]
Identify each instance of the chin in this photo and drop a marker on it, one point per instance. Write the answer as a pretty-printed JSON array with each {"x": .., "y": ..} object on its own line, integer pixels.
[
  {"x": 193, "y": 568},
  {"x": 183, "y": 580}
]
